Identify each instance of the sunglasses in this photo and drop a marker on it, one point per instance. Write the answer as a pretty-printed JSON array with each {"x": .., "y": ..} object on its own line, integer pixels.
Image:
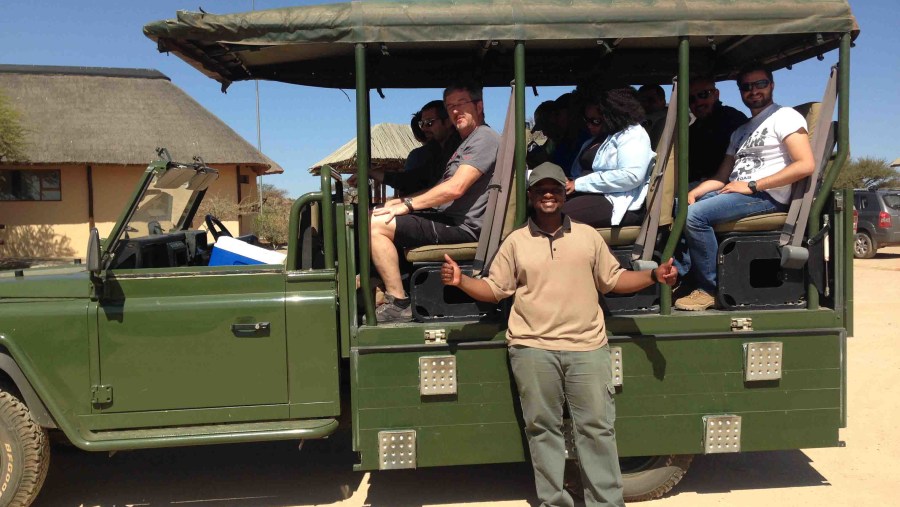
[
  {"x": 451, "y": 107},
  {"x": 759, "y": 85},
  {"x": 597, "y": 122},
  {"x": 701, "y": 95},
  {"x": 427, "y": 123}
]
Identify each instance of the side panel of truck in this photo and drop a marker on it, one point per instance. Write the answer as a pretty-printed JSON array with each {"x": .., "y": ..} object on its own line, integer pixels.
[{"x": 670, "y": 382}]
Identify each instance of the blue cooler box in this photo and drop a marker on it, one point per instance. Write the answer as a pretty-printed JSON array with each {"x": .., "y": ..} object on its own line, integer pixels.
[{"x": 234, "y": 252}]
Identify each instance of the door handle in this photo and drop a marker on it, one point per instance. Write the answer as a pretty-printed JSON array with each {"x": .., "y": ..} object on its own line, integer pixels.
[{"x": 254, "y": 330}]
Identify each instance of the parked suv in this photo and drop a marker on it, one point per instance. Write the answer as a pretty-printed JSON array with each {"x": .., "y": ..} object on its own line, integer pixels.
[{"x": 879, "y": 220}]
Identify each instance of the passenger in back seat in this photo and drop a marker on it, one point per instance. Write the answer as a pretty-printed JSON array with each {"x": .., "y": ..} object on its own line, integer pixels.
[
  {"x": 711, "y": 131},
  {"x": 766, "y": 155},
  {"x": 460, "y": 198},
  {"x": 610, "y": 174}
]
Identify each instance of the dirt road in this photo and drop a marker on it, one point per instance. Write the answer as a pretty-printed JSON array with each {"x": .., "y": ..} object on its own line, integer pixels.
[{"x": 276, "y": 475}]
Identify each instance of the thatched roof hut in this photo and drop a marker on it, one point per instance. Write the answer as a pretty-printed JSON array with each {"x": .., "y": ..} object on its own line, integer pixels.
[
  {"x": 896, "y": 163},
  {"x": 118, "y": 116},
  {"x": 391, "y": 143}
]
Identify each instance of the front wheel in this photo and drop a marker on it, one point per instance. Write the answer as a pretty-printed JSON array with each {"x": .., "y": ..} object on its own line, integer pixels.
[
  {"x": 24, "y": 453},
  {"x": 863, "y": 246},
  {"x": 650, "y": 477}
]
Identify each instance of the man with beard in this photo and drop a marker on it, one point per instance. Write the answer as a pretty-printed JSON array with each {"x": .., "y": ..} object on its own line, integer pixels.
[
  {"x": 460, "y": 197},
  {"x": 765, "y": 156},
  {"x": 558, "y": 350},
  {"x": 711, "y": 131}
]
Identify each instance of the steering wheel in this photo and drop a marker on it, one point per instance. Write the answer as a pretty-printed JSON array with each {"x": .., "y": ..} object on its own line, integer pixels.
[{"x": 215, "y": 226}]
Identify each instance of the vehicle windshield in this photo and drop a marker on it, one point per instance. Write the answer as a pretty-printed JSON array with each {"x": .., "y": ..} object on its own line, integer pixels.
[
  {"x": 161, "y": 209},
  {"x": 892, "y": 201}
]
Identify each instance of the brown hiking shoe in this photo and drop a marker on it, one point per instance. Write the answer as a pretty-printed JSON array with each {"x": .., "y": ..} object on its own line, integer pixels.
[{"x": 696, "y": 301}]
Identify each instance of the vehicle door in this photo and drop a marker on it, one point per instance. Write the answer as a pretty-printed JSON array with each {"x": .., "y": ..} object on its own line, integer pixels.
[{"x": 193, "y": 338}]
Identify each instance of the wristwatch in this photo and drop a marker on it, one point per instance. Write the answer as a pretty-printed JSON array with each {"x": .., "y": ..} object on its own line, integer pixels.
[
  {"x": 408, "y": 203},
  {"x": 752, "y": 185}
]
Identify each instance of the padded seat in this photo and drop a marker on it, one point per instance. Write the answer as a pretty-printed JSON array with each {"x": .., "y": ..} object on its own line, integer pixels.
[
  {"x": 435, "y": 253},
  {"x": 755, "y": 223},
  {"x": 620, "y": 236}
]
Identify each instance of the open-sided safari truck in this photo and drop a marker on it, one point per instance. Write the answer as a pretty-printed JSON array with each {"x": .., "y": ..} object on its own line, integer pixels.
[{"x": 153, "y": 344}]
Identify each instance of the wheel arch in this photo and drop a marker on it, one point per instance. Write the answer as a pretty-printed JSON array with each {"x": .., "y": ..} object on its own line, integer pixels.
[{"x": 11, "y": 373}]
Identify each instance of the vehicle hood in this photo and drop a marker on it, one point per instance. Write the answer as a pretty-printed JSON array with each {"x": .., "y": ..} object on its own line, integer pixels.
[{"x": 53, "y": 282}]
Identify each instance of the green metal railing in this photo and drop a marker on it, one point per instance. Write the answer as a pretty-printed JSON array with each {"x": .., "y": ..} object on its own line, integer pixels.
[
  {"x": 684, "y": 52},
  {"x": 363, "y": 160},
  {"x": 322, "y": 197}
]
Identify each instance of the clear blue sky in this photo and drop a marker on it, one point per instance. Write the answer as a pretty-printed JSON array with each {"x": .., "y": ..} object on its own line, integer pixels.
[{"x": 301, "y": 125}]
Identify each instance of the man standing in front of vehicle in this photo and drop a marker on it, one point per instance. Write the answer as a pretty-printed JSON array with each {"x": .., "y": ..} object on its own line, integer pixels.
[
  {"x": 766, "y": 155},
  {"x": 558, "y": 349}
]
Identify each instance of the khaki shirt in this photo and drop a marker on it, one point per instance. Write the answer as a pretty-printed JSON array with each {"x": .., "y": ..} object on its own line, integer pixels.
[{"x": 556, "y": 279}]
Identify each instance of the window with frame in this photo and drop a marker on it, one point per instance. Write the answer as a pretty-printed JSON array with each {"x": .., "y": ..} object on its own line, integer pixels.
[{"x": 30, "y": 185}]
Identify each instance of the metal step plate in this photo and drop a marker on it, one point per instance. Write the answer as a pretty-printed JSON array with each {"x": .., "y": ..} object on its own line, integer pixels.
[
  {"x": 762, "y": 361},
  {"x": 437, "y": 375},
  {"x": 615, "y": 356},
  {"x": 721, "y": 434},
  {"x": 396, "y": 449}
]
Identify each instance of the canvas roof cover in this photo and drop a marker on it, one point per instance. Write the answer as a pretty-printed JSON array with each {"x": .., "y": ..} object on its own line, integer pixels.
[{"x": 428, "y": 43}]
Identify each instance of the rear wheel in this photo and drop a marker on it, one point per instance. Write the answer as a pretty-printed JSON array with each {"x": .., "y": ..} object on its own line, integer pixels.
[
  {"x": 643, "y": 477},
  {"x": 24, "y": 453},
  {"x": 863, "y": 246},
  {"x": 650, "y": 477}
]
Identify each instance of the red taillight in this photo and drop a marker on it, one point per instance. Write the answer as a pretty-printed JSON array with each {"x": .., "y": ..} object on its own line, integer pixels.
[
  {"x": 884, "y": 220},
  {"x": 855, "y": 219}
]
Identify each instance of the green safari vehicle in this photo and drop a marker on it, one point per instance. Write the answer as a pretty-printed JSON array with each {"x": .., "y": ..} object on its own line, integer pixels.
[{"x": 153, "y": 342}]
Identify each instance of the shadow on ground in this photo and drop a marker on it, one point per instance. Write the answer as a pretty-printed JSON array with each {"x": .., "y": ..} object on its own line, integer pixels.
[
  {"x": 271, "y": 474},
  {"x": 721, "y": 473}
]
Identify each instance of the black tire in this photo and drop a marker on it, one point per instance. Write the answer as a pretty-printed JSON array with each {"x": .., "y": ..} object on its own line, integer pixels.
[
  {"x": 650, "y": 477},
  {"x": 864, "y": 246},
  {"x": 24, "y": 453},
  {"x": 643, "y": 477}
]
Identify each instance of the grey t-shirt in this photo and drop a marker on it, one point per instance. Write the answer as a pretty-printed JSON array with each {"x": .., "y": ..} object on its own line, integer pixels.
[{"x": 479, "y": 150}]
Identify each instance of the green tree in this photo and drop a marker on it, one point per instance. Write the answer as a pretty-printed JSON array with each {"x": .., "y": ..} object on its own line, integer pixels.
[
  {"x": 12, "y": 134},
  {"x": 867, "y": 172}
]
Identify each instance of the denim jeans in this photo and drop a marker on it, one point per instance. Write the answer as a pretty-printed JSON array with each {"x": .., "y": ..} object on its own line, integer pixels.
[
  {"x": 547, "y": 379},
  {"x": 702, "y": 247}
]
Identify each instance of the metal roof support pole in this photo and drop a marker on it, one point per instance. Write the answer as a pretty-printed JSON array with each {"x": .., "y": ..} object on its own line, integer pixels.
[
  {"x": 684, "y": 52},
  {"x": 328, "y": 224},
  {"x": 843, "y": 142},
  {"x": 362, "y": 166},
  {"x": 519, "y": 159}
]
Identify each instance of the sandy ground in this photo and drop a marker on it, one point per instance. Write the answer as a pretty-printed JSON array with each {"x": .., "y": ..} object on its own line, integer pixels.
[{"x": 276, "y": 475}]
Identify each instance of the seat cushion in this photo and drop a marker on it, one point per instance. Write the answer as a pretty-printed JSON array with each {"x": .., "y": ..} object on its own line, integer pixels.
[
  {"x": 435, "y": 253},
  {"x": 755, "y": 223},
  {"x": 620, "y": 236}
]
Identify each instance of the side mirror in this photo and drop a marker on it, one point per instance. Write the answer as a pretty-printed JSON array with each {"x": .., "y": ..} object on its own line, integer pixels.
[{"x": 93, "y": 252}]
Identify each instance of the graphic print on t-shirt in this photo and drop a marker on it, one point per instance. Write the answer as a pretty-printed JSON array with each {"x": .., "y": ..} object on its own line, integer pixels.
[{"x": 748, "y": 160}]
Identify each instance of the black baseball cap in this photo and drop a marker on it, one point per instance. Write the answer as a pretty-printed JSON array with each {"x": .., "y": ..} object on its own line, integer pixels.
[{"x": 547, "y": 170}]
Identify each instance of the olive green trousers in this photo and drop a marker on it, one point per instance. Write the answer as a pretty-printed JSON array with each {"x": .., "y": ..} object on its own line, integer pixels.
[{"x": 548, "y": 379}]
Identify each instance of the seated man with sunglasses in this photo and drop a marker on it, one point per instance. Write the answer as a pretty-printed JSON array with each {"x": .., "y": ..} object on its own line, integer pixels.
[
  {"x": 711, "y": 131},
  {"x": 425, "y": 165},
  {"x": 460, "y": 199},
  {"x": 766, "y": 155}
]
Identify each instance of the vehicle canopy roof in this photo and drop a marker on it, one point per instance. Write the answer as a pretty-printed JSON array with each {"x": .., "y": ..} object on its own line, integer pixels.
[{"x": 632, "y": 39}]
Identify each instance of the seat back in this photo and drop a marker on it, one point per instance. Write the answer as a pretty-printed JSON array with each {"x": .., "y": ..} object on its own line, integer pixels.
[
  {"x": 499, "y": 217},
  {"x": 821, "y": 136},
  {"x": 661, "y": 191}
]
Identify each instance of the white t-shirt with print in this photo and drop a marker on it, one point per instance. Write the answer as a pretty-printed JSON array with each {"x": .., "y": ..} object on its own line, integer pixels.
[{"x": 758, "y": 147}]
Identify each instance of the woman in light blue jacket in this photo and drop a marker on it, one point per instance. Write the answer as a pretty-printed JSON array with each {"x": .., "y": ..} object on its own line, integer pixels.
[{"x": 611, "y": 171}]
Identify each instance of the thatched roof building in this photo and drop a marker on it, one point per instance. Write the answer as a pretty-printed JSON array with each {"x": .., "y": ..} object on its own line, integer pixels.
[
  {"x": 391, "y": 143},
  {"x": 118, "y": 116},
  {"x": 896, "y": 163}
]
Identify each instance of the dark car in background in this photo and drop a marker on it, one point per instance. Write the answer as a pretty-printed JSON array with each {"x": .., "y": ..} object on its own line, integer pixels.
[{"x": 879, "y": 220}]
